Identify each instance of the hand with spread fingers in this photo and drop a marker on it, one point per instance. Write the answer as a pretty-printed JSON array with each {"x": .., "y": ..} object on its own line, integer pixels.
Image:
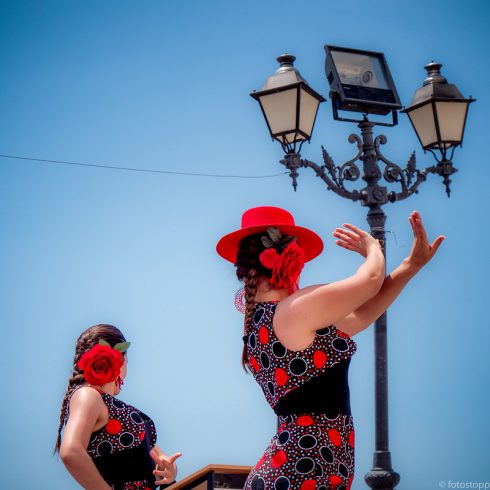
[
  {"x": 166, "y": 470},
  {"x": 422, "y": 251},
  {"x": 355, "y": 239}
]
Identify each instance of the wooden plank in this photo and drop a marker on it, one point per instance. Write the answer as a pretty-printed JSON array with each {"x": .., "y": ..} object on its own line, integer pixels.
[{"x": 210, "y": 468}]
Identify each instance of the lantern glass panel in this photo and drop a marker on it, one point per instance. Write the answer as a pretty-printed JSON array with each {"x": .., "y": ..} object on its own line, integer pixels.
[
  {"x": 280, "y": 110},
  {"x": 308, "y": 107},
  {"x": 451, "y": 117},
  {"x": 360, "y": 69},
  {"x": 423, "y": 121}
]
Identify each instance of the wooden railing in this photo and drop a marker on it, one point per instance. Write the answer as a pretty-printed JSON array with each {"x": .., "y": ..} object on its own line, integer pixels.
[{"x": 214, "y": 476}]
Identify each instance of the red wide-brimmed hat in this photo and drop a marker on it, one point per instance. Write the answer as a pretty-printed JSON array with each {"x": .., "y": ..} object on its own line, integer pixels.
[{"x": 258, "y": 219}]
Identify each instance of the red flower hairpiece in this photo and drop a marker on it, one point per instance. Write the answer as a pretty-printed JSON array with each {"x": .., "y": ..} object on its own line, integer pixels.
[
  {"x": 102, "y": 363},
  {"x": 286, "y": 267}
]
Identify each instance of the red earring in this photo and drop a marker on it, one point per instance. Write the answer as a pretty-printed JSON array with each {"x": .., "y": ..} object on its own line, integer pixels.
[
  {"x": 239, "y": 300},
  {"x": 119, "y": 382}
]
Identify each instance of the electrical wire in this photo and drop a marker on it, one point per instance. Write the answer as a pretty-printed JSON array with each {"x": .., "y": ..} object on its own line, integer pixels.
[{"x": 144, "y": 170}]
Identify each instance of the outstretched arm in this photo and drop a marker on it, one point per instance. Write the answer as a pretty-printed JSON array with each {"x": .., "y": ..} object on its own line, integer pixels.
[
  {"x": 421, "y": 253},
  {"x": 301, "y": 314}
]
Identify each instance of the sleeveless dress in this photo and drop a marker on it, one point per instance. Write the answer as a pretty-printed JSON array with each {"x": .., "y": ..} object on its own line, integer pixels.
[
  {"x": 121, "y": 449},
  {"x": 313, "y": 448}
]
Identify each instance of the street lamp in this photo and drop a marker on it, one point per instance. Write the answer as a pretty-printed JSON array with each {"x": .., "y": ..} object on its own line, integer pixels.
[
  {"x": 438, "y": 115},
  {"x": 289, "y": 105},
  {"x": 360, "y": 82}
]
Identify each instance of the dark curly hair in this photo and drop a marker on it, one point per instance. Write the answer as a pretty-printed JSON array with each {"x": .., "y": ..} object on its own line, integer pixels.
[
  {"x": 85, "y": 342},
  {"x": 249, "y": 270}
]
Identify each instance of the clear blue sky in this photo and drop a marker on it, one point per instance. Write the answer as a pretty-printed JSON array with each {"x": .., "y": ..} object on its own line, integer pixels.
[{"x": 164, "y": 85}]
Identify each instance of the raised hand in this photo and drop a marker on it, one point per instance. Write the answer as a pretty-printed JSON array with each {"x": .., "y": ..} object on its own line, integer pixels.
[
  {"x": 422, "y": 251},
  {"x": 165, "y": 470},
  {"x": 355, "y": 239}
]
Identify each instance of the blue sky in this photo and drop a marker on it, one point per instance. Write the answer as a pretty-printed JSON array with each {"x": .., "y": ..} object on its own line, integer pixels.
[{"x": 164, "y": 85}]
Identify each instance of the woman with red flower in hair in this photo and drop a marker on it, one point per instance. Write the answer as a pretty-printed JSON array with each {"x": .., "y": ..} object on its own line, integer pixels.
[
  {"x": 106, "y": 443},
  {"x": 298, "y": 344}
]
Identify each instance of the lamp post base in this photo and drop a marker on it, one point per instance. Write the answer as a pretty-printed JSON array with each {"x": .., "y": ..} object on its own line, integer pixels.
[
  {"x": 382, "y": 476},
  {"x": 380, "y": 479}
]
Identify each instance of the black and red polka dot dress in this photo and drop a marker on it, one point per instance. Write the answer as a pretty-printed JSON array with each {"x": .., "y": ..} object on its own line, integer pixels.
[
  {"x": 314, "y": 446},
  {"x": 121, "y": 449}
]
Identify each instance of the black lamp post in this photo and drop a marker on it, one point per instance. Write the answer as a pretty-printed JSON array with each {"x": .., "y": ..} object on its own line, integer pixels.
[{"x": 360, "y": 82}]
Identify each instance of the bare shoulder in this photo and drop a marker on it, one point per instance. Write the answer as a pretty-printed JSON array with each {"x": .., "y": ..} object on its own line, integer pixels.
[
  {"x": 86, "y": 396},
  {"x": 290, "y": 319},
  {"x": 295, "y": 302},
  {"x": 309, "y": 309}
]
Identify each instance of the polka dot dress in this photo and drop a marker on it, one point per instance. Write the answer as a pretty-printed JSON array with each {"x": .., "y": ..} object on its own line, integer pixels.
[
  {"x": 120, "y": 449},
  {"x": 310, "y": 451},
  {"x": 126, "y": 429}
]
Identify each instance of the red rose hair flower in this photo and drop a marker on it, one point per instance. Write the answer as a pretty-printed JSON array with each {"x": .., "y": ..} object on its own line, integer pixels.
[
  {"x": 286, "y": 267},
  {"x": 269, "y": 257},
  {"x": 101, "y": 364}
]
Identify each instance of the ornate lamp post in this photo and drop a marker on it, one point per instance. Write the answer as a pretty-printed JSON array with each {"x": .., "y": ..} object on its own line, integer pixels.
[{"x": 360, "y": 82}]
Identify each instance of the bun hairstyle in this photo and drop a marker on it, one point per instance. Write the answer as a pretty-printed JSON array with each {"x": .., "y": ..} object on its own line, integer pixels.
[
  {"x": 85, "y": 342},
  {"x": 249, "y": 269}
]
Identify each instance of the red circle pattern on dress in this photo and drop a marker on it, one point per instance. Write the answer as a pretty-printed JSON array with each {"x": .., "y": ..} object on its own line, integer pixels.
[
  {"x": 113, "y": 426},
  {"x": 263, "y": 335}
]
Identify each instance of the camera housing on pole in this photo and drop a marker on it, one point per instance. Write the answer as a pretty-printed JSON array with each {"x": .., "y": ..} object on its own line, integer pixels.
[{"x": 360, "y": 81}]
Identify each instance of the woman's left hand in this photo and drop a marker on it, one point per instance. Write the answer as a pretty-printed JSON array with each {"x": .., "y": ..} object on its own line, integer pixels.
[
  {"x": 422, "y": 251},
  {"x": 166, "y": 470}
]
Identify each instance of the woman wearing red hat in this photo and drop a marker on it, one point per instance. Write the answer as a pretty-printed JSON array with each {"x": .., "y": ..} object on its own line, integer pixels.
[{"x": 298, "y": 344}]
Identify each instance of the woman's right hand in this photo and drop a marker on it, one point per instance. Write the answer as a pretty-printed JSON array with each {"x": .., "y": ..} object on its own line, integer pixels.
[
  {"x": 356, "y": 240},
  {"x": 166, "y": 470}
]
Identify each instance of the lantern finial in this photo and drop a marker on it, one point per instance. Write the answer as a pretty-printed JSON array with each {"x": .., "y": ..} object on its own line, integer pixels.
[
  {"x": 434, "y": 73},
  {"x": 286, "y": 59}
]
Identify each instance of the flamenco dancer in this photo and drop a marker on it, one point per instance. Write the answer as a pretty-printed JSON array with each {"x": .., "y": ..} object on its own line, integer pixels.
[
  {"x": 108, "y": 444},
  {"x": 298, "y": 343}
]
